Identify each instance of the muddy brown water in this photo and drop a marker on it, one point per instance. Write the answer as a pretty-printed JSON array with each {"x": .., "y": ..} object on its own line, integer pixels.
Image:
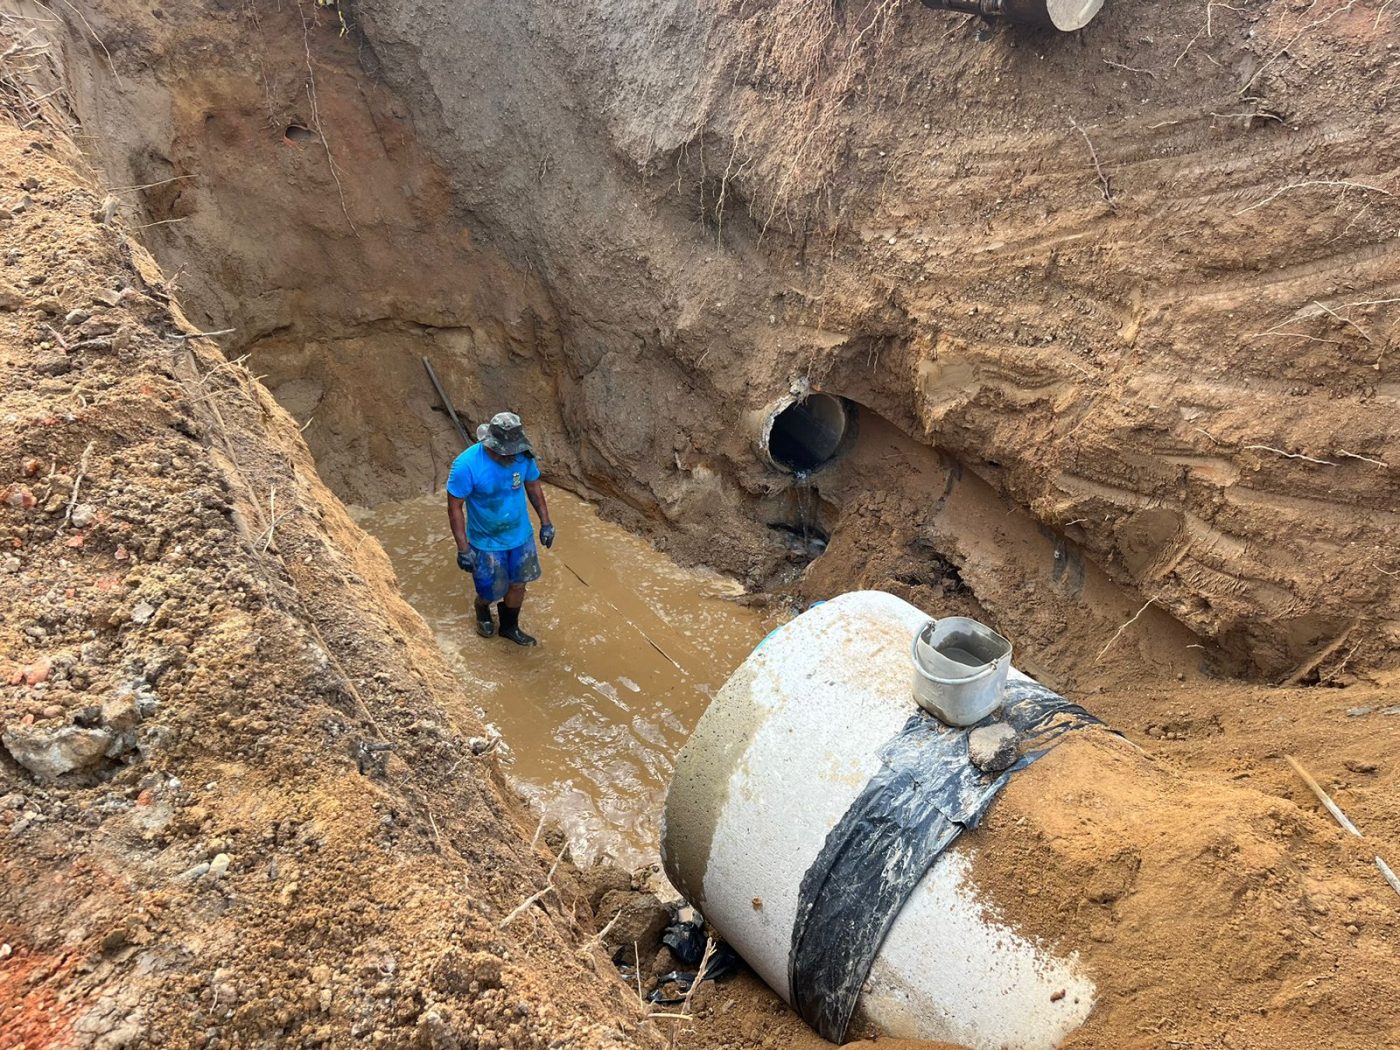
[{"x": 632, "y": 648}]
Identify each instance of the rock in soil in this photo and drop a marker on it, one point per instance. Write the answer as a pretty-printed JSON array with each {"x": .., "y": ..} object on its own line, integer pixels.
[
  {"x": 992, "y": 748},
  {"x": 640, "y": 920},
  {"x": 50, "y": 753}
]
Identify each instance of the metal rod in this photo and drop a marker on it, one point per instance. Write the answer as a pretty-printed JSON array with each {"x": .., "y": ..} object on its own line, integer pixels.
[{"x": 446, "y": 402}]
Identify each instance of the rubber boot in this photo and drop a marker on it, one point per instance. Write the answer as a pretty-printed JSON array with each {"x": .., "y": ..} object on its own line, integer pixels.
[
  {"x": 485, "y": 626},
  {"x": 510, "y": 625}
]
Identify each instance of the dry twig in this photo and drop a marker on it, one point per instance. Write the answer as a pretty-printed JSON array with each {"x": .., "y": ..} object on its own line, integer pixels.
[
  {"x": 1109, "y": 644},
  {"x": 690, "y": 992},
  {"x": 1345, "y": 184},
  {"x": 181, "y": 336},
  {"x": 1129, "y": 69},
  {"x": 316, "y": 116},
  {"x": 151, "y": 185},
  {"x": 1291, "y": 455},
  {"x": 77, "y": 483},
  {"x": 1105, "y": 187},
  {"x": 533, "y": 898},
  {"x": 1364, "y": 459}
]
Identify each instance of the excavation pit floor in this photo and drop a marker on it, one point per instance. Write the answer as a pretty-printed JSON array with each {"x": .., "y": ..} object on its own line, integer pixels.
[{"x": 632, "y": 648}]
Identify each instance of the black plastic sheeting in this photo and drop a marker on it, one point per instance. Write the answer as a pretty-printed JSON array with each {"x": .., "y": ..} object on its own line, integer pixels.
[{"x": 925, "y": 795}]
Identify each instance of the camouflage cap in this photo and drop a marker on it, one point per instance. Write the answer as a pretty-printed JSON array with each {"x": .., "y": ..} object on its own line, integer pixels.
[{"x": 505, "y": 435}]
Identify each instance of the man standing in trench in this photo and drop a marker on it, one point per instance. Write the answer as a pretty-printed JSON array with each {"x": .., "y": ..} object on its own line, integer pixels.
[{"x": 486, "y": 492}]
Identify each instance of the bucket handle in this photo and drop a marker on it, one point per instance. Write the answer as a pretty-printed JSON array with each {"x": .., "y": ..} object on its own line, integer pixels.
[
  {"x": 914, "y": 649},
  {"x": 983, "y": 672}
]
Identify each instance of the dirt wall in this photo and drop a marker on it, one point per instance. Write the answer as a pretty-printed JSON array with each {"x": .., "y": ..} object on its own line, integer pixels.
[
  {"x": 1138, "y": 279},
  {"x": 235, "y": 810}
]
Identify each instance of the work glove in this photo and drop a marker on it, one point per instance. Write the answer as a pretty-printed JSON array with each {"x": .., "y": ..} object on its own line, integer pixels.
[
  {"x": 466, "y": 560},
  {"x": 547, "y": 536}
]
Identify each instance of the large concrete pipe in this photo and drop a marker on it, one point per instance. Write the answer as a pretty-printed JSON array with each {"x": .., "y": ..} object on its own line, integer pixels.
[
  {"x": 802, "y": 431},
  {"x": 1064, "y": 15},
  {"x": 788, "y": 824}
]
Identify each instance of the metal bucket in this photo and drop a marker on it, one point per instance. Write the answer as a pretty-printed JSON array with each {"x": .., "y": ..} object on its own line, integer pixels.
[{"x": 960, "y": 669}]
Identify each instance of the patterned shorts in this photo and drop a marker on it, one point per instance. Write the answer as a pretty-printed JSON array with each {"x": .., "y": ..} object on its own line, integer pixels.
[{"x": 497, "y": 571}]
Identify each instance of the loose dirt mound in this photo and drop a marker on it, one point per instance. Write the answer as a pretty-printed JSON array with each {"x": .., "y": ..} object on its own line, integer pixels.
[{"x": 1209, "y": 914}]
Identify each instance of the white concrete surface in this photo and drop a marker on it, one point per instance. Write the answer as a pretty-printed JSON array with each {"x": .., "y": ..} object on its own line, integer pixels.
[{"x": 774, "y": 764}]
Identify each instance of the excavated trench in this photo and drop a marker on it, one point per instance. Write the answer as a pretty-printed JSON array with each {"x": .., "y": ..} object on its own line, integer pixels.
[
  {"x": 789, "y": 408},
  {"x": 335, "y": 289}
]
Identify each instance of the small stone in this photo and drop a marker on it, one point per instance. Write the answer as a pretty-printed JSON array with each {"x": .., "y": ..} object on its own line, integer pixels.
[
  {"x": 992, "y": 748},
  {"x": 1357, "y": 712},
  {"x": 142, "y": 612},
  {"x": 479, "y": 745},
  {"x": 75, "y": 317},
  {"x": 196, "y": 872},
  {"x": 120, "y": 712},
  {"x": 10, "y": 299},
  {"x": 83, "y": 515},
  {"x": 218, "y": 867},
  {"x": 53, "y": 711},
  {"x": 17, "y": 496},
  {"x": 37, "y": 672},
  {"x": 31, "y": 467},
  {"x": 1358, "y": 766}
]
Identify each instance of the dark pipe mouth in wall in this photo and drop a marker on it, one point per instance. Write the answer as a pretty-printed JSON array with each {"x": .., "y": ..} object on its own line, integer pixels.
[
  {"x": 1064, "y": 15},
  {"x": 808, "y": 433}
]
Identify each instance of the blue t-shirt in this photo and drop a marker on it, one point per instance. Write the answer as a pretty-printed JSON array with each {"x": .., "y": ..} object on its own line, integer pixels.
[{"x": 497, "y": 515}]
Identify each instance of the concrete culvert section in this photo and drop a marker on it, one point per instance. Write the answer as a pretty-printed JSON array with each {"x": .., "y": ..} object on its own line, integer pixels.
[
  {"x": 807, "y": 433},
  {"x": 812, "y": 753}
]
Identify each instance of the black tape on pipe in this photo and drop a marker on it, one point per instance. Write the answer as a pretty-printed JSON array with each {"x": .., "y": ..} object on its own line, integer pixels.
[{"x": 925, "y": 795}]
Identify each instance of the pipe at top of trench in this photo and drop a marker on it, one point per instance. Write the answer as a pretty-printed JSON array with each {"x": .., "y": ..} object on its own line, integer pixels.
[
  {"x": 1064, "y": 15},
  {"x": 777, "y": 763}
]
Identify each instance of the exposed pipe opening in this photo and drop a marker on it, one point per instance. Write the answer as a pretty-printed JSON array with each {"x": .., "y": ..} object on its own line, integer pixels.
[
  {"x": 808, "y": 433},
  {"x": 1064, "y": 15}
]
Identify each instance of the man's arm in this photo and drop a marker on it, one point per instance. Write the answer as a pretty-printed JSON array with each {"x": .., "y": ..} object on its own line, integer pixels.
[
  {"x": 535, "y": 491},
  {"x": 457, "y": 519}
]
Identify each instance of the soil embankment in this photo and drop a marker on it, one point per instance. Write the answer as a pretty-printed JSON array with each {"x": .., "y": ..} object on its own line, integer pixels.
[
  {"x": 235, "y": 810},
  {"x": 1140, "y": 281}
]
